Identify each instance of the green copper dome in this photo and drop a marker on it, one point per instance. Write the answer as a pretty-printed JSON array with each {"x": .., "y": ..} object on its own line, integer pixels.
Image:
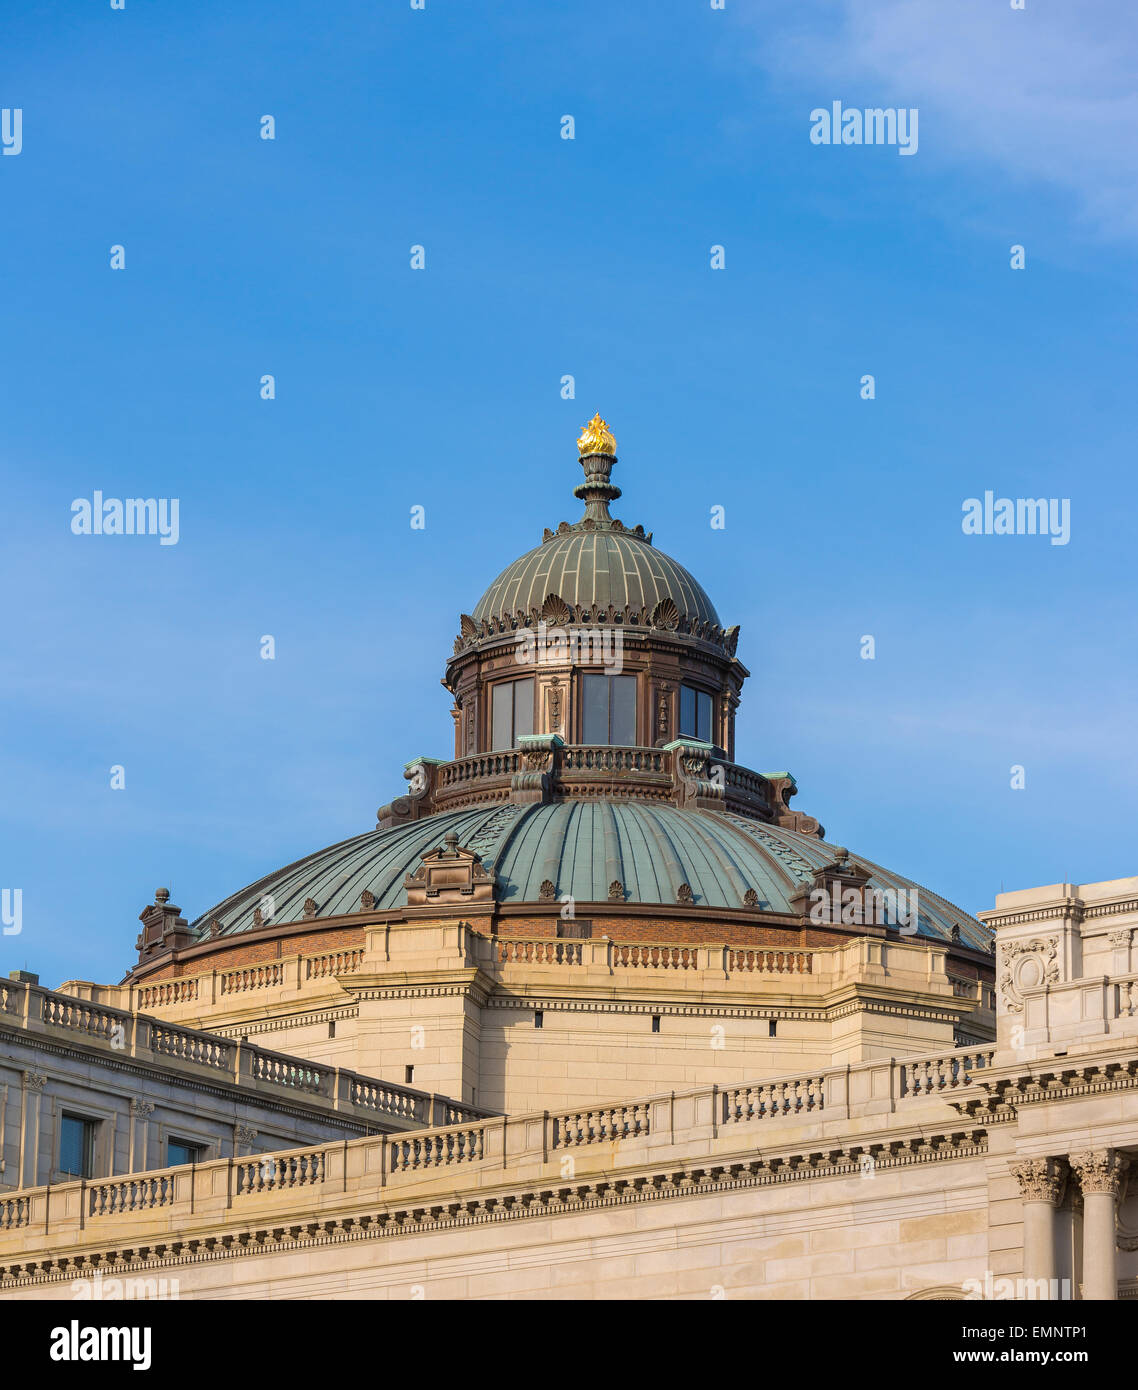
[
  {"x": 581, "y": 847},
  {"x": 593, "y": 571},
  {"x": 599, "y": 568}
]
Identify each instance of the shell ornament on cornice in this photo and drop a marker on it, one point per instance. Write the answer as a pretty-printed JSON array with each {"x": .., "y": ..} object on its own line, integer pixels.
[
  {"x": 665, "y": 617},
  {"x": 556, "y": 611}
]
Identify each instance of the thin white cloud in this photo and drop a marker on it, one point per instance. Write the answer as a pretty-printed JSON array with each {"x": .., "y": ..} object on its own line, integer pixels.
[{"x": 1046, "y": 94}]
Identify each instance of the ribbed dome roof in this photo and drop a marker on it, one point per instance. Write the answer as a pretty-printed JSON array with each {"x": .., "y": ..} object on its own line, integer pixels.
[
  {"x": 596, "y": 567},
  {"x": 580, "y": 847}
]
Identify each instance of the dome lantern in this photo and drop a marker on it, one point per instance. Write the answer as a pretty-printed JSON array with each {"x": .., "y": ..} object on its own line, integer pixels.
[{"x": 595, "y": 637}]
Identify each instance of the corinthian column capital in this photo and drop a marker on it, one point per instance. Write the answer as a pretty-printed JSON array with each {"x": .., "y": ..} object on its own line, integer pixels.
[
  {"x": 1100, "y": 1170},
  {"x": 1040, "y": 1179}
]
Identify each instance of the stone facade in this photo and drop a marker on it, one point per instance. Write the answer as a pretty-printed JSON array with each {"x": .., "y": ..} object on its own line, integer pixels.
[
  {"x": 516, "y": 1023},
  {"x": 134, "y": 1084},
  {"x": 991, "y": 1171}
]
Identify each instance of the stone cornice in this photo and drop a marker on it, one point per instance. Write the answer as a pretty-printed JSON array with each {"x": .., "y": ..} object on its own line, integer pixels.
[
  {"x": 422, "y": 984},
  {"x": 281, "y": 1022},
  {"x": 1060, "y": 910},
  {"x": 819, "y": 1010},
  {"x": 1065, "y": 909},
  {"x": 1057, "y": 1079},
  {"x": 424, "y": 1212},
  {"x": 1113, "y": 909}
]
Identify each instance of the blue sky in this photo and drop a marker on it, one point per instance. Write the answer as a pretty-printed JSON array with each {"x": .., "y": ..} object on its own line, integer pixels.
[{"x": 441, "y": 388}]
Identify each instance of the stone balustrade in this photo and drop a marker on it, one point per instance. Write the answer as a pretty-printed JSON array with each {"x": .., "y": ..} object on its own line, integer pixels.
[
  {"x": 606, "y": 1124},
  {"x": 791, "y": 1110},
  {"x": 329, "y": 964},
  {"x": 649, "y": 956},
  {"x": 768, "y": 962},
  {"x": 528, "y": 951},
  {"x": 253, "y": 977},
  {"x": 775, "y": 1099},
  {"x": 166, "y": 992},
  {"x": 138, "y": 1192},
  {"x": 216, "y": 999},
  {"x": 45, "y": 1014},
  {"x": 14, "y": 1211},
  {"x": 934, "y": 1075},
  {"x": 725, "y": 961},
  {"x": 275, "y": 1172},
  {"x": 287, "y": 974},
  {"x": 613, "y": 956},
  {"x": 691, "y": 775}
]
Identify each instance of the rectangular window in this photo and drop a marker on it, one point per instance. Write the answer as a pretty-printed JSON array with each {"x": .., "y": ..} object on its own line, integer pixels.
[
  {"x": 409, "y": 1076},
  {"x": 575, "y": 931},
  {"x": 502, "y": 732},
  {"x": 180, "y": 1152},
  {"x": 595, "y": 724},
  {"x": 511, "y": 713},
  {"x": 695, "y": 713},
  {"x": 538, "y": 1018},
  {"x": 772, "y": 1029},
  {"x": 622, "y": 710},
  {"x": 609, "y": 710},
  {"x": 77, "y": 1147},
  {"x": 655, "y": 1023}
]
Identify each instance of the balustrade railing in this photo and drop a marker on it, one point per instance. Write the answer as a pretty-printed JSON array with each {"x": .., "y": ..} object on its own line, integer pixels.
[
  {"x": 14, "y": 1211},
  {"x": 649, "y": 956},
  {"x": 437, "y": 1149},
  {"x": 275, "y": 1172},
  {"x": 286, "y": 1071},
  {"x": 746, "y": 960},
  {"x": 931, "y": 1075},
  {"x": 242, "y": 1064},
  {"x": 388, "y": 1100},
  {"x": 528, "y": 1143},
  {"x": 332, "y": 963},
  {"x": 77, "y": 1015},
  {"x": 187, "y": 1045},
  {"x": 164, "y": 992},
  {"x": 606, "y": 758},
  {"x": 481, "y": 765},
  {"x": 527, "y": 951},
  {"x": 142, "y": 1192},
  {"x": 253, "y": 977},
  {"x": 774, "y": 1099},
  {"x": 602, "y": 1125}
]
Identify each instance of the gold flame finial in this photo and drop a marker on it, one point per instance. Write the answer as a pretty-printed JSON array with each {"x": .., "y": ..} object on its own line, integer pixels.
[{"x": 596, "y": 438}]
